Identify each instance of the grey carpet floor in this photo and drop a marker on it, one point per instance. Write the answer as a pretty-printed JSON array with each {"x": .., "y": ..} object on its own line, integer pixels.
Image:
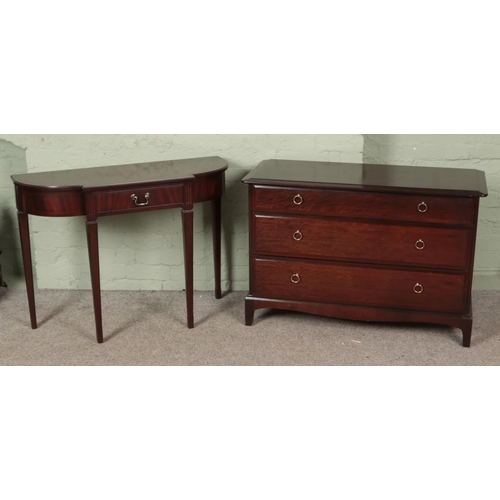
[{"x": 149, "y": 328}]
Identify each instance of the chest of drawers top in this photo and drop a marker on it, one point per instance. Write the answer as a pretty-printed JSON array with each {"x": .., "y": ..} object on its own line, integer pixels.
[
  {"x": 360, "y": 177},
  {"x": 401, "y": 194}
]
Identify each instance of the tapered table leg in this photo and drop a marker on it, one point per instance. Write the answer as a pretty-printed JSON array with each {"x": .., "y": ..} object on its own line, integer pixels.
[
  {"x": 216, "y": 236},
  {"x": 187, "y": 232},
  {"x": 24, "y": 233},
  {"x": 93, "y": 247}
]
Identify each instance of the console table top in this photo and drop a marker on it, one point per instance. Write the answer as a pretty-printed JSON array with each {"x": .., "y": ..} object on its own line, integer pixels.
[
  {"x": 370, "y": 177},
  {"x": 115, "y": 175}
]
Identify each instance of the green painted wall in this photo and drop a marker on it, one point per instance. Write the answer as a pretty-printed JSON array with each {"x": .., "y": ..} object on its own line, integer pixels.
[{"x": 144, "y": 251}]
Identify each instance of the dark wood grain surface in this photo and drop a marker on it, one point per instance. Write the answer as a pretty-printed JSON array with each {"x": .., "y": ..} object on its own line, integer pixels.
[
  {"x": 340, "y": 239},
  {"x": 369, "y": 177},
  {"x": 120, "y": 189},
  {"x": 115, "y": 175},
  {"x": 66, "y": 193},
  {"x": 359, "y": 241},
  {"x": 366, "y": 205},
  {"x": 361, "y": 285}
]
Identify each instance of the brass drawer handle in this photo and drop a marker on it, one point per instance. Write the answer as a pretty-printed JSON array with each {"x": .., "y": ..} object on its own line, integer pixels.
[
  {"x": 419, "y": 245},
  {"x": 146, "y": 197},
  {"x": 297, "y": 236},
  {"x": 422, "y": 207},
  {"x": 295, "y": 278},
  {"x": 418, "y": 288},
  {"x": 297, "y": 199}
]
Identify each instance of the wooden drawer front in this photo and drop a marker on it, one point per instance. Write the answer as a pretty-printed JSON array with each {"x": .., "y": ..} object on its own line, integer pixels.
[
  {"x": 397, "y": 207},
  {"x": 122, "y": 201},
  {"x": 339, "y": 239},
  {"x": 368, "y": 286}
]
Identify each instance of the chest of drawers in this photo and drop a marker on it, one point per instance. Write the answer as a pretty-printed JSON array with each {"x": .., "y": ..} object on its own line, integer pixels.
[{"x": 367, "y": 242}]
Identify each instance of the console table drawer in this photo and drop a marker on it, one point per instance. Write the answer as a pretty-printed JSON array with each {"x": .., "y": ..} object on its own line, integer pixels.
[
  {"x": 384, "y": 206},
  {"x": 131, "y": 200},
  {"x": 339, "y": 239},
  {"x": 365, "y": 286}
]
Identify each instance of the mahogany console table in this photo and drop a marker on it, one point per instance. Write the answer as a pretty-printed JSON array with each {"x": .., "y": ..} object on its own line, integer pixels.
[
  {"x": 119, "y": 189},
  {"x": 365, "y": 242}
]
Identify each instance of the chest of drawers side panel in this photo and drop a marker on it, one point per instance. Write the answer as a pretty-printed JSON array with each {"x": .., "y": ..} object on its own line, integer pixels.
[{"x": 471, "y": 256}]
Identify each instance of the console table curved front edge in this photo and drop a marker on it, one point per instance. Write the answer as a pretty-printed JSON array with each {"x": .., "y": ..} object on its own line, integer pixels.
[{"x": 119, "y": 189}]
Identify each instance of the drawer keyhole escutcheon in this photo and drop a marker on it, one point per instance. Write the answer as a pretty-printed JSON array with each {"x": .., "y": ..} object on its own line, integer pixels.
[
  {"x": 418, "y": 288},
  {"x": 295, "y": 278},
  {"x": 297, "y": 236},
  {"x": 146, "y": 197},
  {"x": 420, "y": 245},
  {"x": 297, "y": 199},
  {"x": 422, "y": 207}
]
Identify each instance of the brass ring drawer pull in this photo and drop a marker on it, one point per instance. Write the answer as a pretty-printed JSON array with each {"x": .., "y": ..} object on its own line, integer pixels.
[
  {"x": 418, "y": 288},
  {"x": 297, "y": 199},
  {"x": 297, "y": 236},
  {"x": 295, "y": 278},
  {"x": 419, "y": 245},
  {"x": 422, "y": 207},
  {"x": 146, "y": 197}
]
